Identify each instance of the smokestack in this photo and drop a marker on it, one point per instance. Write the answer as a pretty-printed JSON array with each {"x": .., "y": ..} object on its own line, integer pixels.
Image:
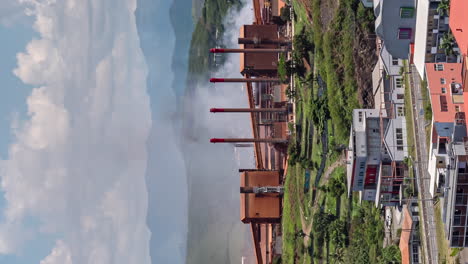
[
  {"x": 248, "y": 50},
  {"x": 248, "y": 140},
  {"x": 247, "y": 110},
  {"x": 247, "y": 170},
  {"x": 257, "y": 41},
  {"x": 247, "y": 80}
]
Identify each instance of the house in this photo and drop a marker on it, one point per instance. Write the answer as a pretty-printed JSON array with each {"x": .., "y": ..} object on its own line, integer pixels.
[
  {"x": 430, "y": 28},
  {"x": 378, "y": 141},
  {"x": 394, "y": 24},
  {"x": 448, "y": 156},
  {"x": 409, "y": 239},
  {"x": 377, "y": 148},
  {"x": 446, "y": 95}
]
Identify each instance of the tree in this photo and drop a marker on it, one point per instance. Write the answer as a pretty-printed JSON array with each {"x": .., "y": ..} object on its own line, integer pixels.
[
  {"x": 338, "y": 256},
  {"x": 285, "y": 13},
  {"x": 284, "y": 69},
  {"x": 337, "y": 231},
  {"x": 407, "y": 161},
  {"x": 302, "y": 44},
  {"x": 390, "y": 254},
  {"x": 321, "y": 222},
  {"x": 336, "y": 187},
  {"x": 408, "y": 191},
  {"x": 447, "y": 43},
  {"x": 443, "y": 7}
]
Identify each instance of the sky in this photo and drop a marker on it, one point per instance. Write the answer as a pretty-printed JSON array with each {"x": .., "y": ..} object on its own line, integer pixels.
[
  {"x": 75, "y": 120},
  {"x": 102, "y": 158}
]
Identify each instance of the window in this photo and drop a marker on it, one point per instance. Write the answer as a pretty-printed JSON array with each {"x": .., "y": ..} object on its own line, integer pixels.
[
  {"x": 400, "y": 111},
  {"x": 457, "y": 108},
  {"x": 438, "y": 67},
  {"x": 404, "y": 33},
  {"x": 399, "y": 141},
  {"x": 399, "y": 83},
  {"x": 394, "y": 61},
  {"x": 400, "y": 96},
  {"x": 442, "y": 81},
  {"x": 406, "y": 12},
  {"x": 443, "y": 103},
  {"x": 360, "y": 116},
  {"x": 443, "y": 90}
]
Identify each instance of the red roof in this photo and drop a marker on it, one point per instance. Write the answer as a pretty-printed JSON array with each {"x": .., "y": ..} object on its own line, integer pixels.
[
  {"x": 445, "y": 103},
  {"x": 405, "y": 236},
  {"x": 459, "y": 23}
]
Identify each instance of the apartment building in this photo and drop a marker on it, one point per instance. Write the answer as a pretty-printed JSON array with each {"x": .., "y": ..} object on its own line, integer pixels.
[
  {"x": 448, "y": 155},
  {"x": 446, "y": 95},
  {"x": 430, "y": 28},
  {"x": 395, "y": 24}
]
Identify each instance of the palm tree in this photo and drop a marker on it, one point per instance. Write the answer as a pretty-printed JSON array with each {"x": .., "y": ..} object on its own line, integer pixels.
[
  {"x": 443, "y": 7},
  {"x": 447, "y": 42},
  {"x": 338, "y": 256}
]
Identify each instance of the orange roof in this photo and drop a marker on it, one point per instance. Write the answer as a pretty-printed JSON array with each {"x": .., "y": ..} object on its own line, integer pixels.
[
  {"x": 405, "y": 236},
  {"x": 459, "y": 23},
  {"x": 444, "y": 102}
]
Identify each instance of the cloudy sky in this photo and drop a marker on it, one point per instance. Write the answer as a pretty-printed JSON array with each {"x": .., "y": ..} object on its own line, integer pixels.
[
  {"x": 75, "y": 118},
  {"x": 100, "y": 160}
]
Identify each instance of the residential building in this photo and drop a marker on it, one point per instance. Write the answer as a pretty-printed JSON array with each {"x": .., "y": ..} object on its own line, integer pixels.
[
  {"x": 446, "y": 95},
  {"x": 430, "y": 27},
  {"x": 378, "y": 141},
  {"x": 459, "y": 23},
  {"x": 448, "y": 156},
  {"x": 410, "y": 245},
  {"x": 395, "y": 24}
]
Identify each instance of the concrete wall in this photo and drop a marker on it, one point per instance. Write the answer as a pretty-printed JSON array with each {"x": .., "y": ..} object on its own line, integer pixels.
[{"x": 388, "y": 22}]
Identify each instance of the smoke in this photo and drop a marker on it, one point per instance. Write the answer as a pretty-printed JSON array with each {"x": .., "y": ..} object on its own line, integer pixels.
[{"x": 216, "y": 234}]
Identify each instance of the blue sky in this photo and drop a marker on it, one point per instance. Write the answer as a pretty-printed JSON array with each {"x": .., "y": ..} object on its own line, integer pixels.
[
  {"x": 73, "y": 185},
  {"x": 13, "y": 105},
  {"x": 14, "y": 92}
]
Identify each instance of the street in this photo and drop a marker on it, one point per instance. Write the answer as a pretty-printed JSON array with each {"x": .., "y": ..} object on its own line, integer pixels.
[{"x": 429, "y": 236}]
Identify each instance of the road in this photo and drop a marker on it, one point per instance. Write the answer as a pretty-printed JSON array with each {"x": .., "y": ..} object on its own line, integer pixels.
[{"x": 429, "y": 236}]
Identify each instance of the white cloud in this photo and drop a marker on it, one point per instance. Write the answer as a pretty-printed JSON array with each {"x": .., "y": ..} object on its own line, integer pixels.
[
  {"x": 78, "y": 163},
  {"x": 60, "y": 254}
]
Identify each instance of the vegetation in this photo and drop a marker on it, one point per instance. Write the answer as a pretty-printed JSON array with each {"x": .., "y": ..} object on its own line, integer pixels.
[
  {"x": 340, "y": 226},
  {"x": 336, "y": 187},
  {"x": 426, "y": 101},
  {"x": 447, "y": 43},
  {"x": 207, "y": 34},
  {"x": 366, "y": 236},
  {"x": 391, "y": 254},
  {"x": 337, "y": 65},
  {"x": 443, "y": 7}
]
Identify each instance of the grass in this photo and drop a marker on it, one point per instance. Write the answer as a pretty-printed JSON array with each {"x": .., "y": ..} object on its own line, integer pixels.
[
  {"x": 332, "y": 58},
  {"x": 409, "y": 115},
  {"x": 442, "y": 243},
  {"x": 447, "y": 254}
]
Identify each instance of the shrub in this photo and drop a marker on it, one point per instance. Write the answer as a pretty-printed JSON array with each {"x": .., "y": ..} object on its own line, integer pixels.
[{"x": 285, "y": 13}]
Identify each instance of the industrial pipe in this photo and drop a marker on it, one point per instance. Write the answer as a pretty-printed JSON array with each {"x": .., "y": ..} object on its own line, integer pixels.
[
  {"x": 257, "y": 41},
  {"x": 239, "y": 140},
  {"x": 247, "y": 170},
  {"x": 247, "y": 110},
  {"x": 248, "y": 50},
  {"x": 247, "y": 80}
]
